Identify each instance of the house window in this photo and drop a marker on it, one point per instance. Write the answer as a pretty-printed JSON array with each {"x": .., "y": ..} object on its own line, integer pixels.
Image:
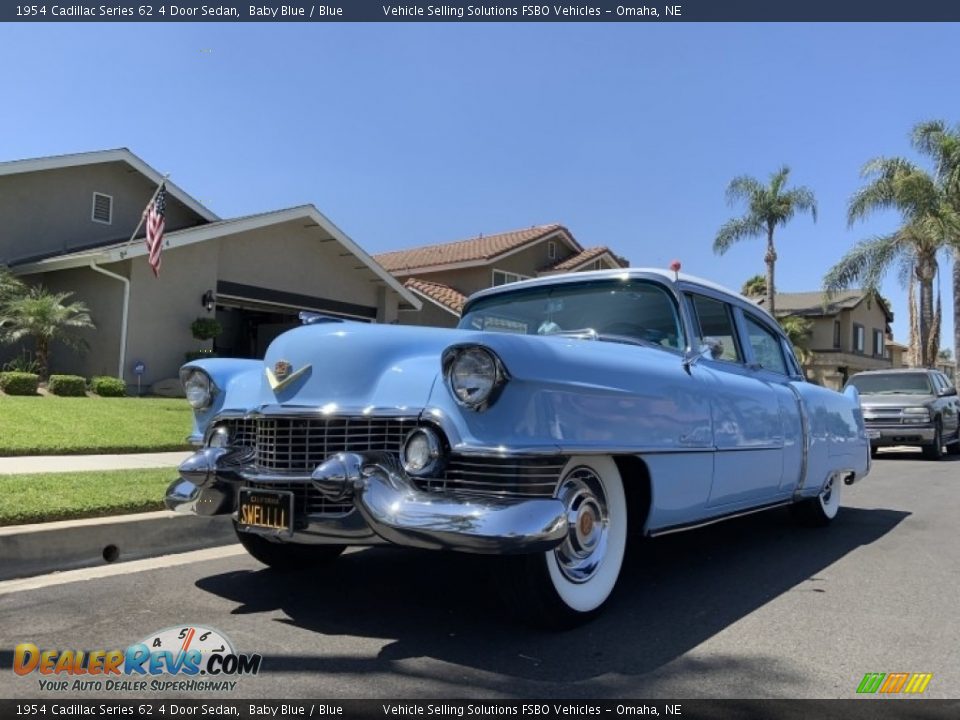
[
  {"x": 858, "y": 336},
  {"x": 878, "y": 343},
  {"x": 836, "y": 334},
  {"x": 102, "y": 211},
  {"x": 502, "y": 277},
  {"x": 551, "y": 250}
]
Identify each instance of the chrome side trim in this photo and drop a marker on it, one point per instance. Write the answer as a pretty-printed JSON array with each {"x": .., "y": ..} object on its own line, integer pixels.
[
  {"x": 683, "y": 527},
  {"x": 805, "y": 429},
  {"x": 401, "y": 514}
]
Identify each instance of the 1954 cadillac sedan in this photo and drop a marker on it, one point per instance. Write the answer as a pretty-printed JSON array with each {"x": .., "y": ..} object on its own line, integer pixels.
[{"x": 562, "y": 413}]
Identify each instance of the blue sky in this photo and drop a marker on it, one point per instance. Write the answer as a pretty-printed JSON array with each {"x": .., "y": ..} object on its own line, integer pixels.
[{"x": 408, "y": 134}]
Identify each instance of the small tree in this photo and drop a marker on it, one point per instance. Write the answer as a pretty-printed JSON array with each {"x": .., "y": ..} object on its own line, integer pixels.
[
  {"x": 205, "y": 328},
  {"x": 755, "y": 286},
  {"x": 45, "y": 317},
  {"x": 799, "y": 330}
]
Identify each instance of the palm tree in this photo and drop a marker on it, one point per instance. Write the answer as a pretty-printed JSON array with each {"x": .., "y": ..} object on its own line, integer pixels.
[
  {"x": 935, "y": 140},
  {"x": 43, "y": 316},
  {"x": 928, "y": 224},
  {"x": 799, "y": 330},
  {"x": 754, "y": 286},
  {"x": 768, "y": 206},
  {"x": 9, "y": 285}
]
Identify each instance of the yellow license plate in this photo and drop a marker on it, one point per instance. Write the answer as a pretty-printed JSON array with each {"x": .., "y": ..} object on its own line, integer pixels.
[{"x": 269, "y": 511}]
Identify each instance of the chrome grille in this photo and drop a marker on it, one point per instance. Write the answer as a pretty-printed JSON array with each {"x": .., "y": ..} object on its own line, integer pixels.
[
  {"x": 299, "y": 444},
  {"x": 306, "y": 499},
  {"x": 505, "y": 477},
  {"x": 883, "y": 416}
]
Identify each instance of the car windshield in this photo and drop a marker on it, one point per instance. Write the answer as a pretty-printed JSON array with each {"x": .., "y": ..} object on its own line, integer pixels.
[
  {"x": 616, "y": 310},
  {"x": 893, "y": 384}
]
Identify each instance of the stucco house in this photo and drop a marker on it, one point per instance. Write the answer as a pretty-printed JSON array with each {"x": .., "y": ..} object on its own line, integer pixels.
[
  {"x": 849, "y": 332},
  {"x": 65, "y": 222},
  {"x": 444, "y": 275}
]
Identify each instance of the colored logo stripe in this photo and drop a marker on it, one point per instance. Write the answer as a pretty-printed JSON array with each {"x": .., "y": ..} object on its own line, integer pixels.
[{"x": 893, "y": 683}]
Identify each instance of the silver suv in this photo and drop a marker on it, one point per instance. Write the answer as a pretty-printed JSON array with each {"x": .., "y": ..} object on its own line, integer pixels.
[{"x": 911, "y": 406}]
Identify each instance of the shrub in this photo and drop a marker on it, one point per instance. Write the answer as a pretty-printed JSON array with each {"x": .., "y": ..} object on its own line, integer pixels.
[
  {"x": 206, "y": 328},
  {"x": 108, "y": 386},
  {"x": 19, "y": 383},
  {"x": 24, "y": 363},
  {"x": 67, "y": 385},
  {"x": 198, "y": 355}
]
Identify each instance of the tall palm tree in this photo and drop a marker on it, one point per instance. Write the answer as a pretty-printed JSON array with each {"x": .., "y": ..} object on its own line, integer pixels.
[
  {"x": 43, "y": 316},
  {"x": 928, "y": 223},
  {"x": 941, "y": 143},
  {"x": 767, "y": 207}
]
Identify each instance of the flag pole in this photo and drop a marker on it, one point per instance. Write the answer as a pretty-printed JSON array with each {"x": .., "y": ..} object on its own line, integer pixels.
[{"x": 143, "y": 215}]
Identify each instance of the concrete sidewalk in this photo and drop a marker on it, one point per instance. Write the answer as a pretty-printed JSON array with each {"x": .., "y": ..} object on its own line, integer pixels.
[{"x": 81, "y": 463}]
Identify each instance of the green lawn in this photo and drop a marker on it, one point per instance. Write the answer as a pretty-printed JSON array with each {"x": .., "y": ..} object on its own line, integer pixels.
[
  {"x": 51, "y": 425},
  {"x": 62, "y": 496}
]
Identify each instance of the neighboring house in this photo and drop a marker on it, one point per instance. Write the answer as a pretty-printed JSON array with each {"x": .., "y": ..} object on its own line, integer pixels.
[
  {"x": 849, "y": 332},
  {"x": 444, "y": 275},
  {"x": 898, "y": 354},
  {"x": 66, "y": 222}
]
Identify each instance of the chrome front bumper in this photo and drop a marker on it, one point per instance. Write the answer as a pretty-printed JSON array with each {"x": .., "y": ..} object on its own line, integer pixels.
[
  {"x": 389, "y": 507},
  {"x": 885, "y": 435}
]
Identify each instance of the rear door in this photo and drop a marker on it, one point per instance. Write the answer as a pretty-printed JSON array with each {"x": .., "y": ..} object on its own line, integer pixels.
[{"x": 745, "y": 409}]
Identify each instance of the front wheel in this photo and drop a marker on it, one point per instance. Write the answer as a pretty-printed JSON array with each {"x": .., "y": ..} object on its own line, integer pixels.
[
  {"x": 287, "y": 557},
  {"x": 824, "y": 508},
  {"x": 568, "y": 585},
  {"x": 934, "y": 451}
]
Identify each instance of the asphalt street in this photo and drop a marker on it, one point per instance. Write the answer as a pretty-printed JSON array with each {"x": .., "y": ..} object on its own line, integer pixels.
[{"x": 755, "y": 607}]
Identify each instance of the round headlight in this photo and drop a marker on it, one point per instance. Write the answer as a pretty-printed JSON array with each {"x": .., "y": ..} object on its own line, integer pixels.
[
  {"x": 421, "y": 451},
  {"x": 473, "y": 375},
  {"x": 198, "y": 388}
]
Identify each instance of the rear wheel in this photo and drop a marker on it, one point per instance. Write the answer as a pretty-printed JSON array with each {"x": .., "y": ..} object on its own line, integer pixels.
[
  {"x": 568, "y": 585},
  {"x": 934, "y": 451},
  {"x": 287, "y": 556},
  {"x": 824, "y": 508}
]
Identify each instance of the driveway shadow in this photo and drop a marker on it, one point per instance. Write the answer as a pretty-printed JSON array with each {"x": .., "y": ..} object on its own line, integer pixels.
[{"x": 674, "y": 593}]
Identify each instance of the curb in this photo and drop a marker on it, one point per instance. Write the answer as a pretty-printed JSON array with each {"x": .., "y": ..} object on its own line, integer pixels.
[{"x": 50, "y": 547}]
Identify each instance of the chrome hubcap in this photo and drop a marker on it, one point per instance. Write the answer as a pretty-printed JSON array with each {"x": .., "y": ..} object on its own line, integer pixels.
[
  {"x": 827, "y": 492},
  {"x": 580, "y": 554}
]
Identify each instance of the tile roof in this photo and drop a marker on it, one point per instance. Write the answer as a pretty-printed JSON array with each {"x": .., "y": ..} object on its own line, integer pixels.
[
  {"x": 581, "y": 258},
  {"x": 482, "y": 247},
  {"x": 439, "y": 293},
  {"x": 814, "y": 303}
]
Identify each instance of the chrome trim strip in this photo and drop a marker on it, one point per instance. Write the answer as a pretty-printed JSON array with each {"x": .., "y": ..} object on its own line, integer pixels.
[
  {"x": 805, "y": 429},
  {"x": 683, "y": 527}
]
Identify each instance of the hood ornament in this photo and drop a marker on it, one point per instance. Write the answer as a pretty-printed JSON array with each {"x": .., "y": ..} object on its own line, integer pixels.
[{"x": 282, "y": 374}]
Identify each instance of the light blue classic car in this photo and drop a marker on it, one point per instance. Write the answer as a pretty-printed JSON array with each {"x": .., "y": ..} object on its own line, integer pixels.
[{"x": 562, "y": 414}]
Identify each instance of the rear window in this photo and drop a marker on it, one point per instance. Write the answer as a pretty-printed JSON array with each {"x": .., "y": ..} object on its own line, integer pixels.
[{"x": 893, "y": 384}]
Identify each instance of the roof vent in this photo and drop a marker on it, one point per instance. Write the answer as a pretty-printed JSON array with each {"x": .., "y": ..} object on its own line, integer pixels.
[{"x": 102, "y": 208}]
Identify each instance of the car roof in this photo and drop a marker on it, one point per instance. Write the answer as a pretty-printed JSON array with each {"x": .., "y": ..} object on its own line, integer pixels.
[
  {"x": 898, "y": 371},
  {"x": 667, "y": 277}
]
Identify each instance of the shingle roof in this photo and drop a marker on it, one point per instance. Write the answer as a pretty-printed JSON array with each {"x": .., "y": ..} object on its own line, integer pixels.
[
  {"x": 813, "y": 303},
  {"x": 482, "y": 247},
  {"x": 581, "y": 258},
  {"x": 439, "y": 293}
]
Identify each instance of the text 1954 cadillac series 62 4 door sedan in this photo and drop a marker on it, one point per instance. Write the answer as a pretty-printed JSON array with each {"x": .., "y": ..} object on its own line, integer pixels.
[{"x": 561, "y": 414}]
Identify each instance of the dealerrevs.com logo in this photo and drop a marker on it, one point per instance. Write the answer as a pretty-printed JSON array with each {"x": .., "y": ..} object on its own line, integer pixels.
[{"x": 184, "y": 658}]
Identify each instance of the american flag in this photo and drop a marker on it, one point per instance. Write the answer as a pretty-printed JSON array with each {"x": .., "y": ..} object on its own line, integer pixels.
[{"x": 155, "y": 224}]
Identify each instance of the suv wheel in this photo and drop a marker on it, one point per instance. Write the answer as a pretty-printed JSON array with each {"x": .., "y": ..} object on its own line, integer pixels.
[{"x": 934, "y": 451}]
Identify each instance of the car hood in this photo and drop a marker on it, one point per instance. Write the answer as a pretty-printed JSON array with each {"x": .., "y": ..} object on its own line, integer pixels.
[
  {"x": 880, "y": 400},
  {"x": 345, "y": 367}
]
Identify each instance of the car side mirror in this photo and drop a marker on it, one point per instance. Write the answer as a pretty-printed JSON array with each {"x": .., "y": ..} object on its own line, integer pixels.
[
  {"x": 711, "y": 349},
  {"x": 947, "y": 392}
]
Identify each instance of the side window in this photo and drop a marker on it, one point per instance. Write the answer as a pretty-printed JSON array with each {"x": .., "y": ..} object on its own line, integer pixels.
[
  {"x": 792, "y": 364},
  {"x": 766, "y": 347},
  {"x": 716, "y": 326},
  {"x": 939, "y": 382}
]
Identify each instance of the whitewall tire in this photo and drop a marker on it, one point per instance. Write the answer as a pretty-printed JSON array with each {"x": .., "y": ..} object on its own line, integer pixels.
[
  {"x": 824, "y": 508},
  {"x": 569, "y": 584}
]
